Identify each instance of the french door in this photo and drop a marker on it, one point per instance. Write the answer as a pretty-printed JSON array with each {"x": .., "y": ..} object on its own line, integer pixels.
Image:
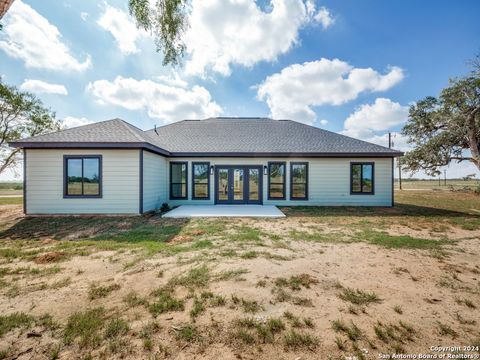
[{"x": 238, "y": 184}]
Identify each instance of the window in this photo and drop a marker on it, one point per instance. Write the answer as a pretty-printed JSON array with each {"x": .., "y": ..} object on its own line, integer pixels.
[
  {"x": 298, "y": 181},
  {"x": 82, "y": 176},
  {"x": 276, "y": 180},
  {"x": 201, "y": 181},
  {"x": 178, "y": 180},
  {"x": 362, "y": 178}
]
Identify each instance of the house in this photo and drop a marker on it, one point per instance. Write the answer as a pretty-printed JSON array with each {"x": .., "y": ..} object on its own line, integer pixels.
[{"x": 112, "y": 167}]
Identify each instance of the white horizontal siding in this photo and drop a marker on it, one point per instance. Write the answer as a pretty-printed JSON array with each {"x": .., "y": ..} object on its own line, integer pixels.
[
  {"x": 120, "y": 183},
  {"x": 329, "y": 181},
  {"x": 154, "y": 181}
]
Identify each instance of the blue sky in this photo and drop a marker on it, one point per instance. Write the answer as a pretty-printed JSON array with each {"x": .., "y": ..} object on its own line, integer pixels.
[{"x": 86, "y": 60}]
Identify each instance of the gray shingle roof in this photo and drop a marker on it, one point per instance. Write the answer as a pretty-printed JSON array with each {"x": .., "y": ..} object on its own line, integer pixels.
[
  {"x": 115, "y": 130},
  {"x": 218, "y": 135}
]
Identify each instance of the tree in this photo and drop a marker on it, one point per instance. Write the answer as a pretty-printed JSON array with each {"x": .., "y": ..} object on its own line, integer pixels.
[
  {"x": 445, "y": 129},
  {"x": 4, "y": 6},
  {"x": 21, "y": 115},
  {"x": 168, "y": 20}
]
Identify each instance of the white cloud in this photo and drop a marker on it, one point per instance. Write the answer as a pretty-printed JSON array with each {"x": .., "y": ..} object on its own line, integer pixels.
[
  {"x": 227, "y": 32},
  {"x": 173, "y": 80},
  {"x": 71, "y": 121},
  {"x": 310, "y": 7},
  {"x": 383, "y": 114},
  {"x": 84, "y": 15},
  {"x": 162, "y": 101},
  {"x": 122, "y": 28},
  {"x": 323, "y": 16},
  {"x": 42, "y": 87},
  {"x": 323, "y": 122},
  {"x": 29, "y": 36},
  {"x": 297, "y": 88}
]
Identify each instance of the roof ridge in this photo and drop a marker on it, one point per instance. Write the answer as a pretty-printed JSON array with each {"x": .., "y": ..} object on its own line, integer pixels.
[
  {"x": 89, "y": 124},
  {"x": 172, "y": 123},
  {"x": 72, "y": 128},
  {"x": 129, "y": 128},
  {"x": 129, "y": 124},
  {"x": 239, "y": 118}
]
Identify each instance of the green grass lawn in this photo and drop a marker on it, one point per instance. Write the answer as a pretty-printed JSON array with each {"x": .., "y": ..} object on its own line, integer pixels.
[
  {"x": 434, "y": 211},
  {"x": 436, "y": 201},
  {"x": 428, "y": 206}
]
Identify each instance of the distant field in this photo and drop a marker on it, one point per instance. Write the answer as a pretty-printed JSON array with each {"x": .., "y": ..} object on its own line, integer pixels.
[
  {"x": 11, "y": 200},
  {"x": 11, "y": 188},
  {"x": 456, "y": 184},
  {"x": 11, "y": 185}
]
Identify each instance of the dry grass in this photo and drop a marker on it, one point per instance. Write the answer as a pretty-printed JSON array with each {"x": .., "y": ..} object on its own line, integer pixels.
[
  {"x": 321, "y": 282},
  {"x": 359, "y": 297},
  {"x": 101, "y": 291}
]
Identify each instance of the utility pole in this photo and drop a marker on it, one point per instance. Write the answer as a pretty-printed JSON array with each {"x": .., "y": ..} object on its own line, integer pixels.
[
  {"x": 445, "y": 177},
  {"x": 390, "y": 144},
  {"x": 399, "y": 173}
]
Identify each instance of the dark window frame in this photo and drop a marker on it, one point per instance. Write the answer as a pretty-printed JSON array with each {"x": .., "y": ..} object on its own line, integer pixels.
[
  {"x": 65, "y": 177},
  {"x": 186, "y": 180},
  {"x": 193, "y": 180},
  {"x": 292, "y": 164},
  {"x": 361, "y": 192},
  {"x": 284, "y": 163}
]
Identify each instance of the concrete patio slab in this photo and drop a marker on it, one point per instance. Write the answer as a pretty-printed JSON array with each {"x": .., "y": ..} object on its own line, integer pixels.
[{"x": 190, "y": 211}]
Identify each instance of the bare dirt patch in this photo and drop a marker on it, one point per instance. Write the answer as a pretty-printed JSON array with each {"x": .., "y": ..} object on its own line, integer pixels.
[
  {"x": 179, "y": 239},
  {"x": 49, "y": 257}
]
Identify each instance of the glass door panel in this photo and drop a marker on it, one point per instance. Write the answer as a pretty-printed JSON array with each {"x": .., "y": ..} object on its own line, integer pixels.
[
  {"x": 253, "y": 184},
  {"x": 223, "y": 184},
  {"x": 238, "y": 184}
]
